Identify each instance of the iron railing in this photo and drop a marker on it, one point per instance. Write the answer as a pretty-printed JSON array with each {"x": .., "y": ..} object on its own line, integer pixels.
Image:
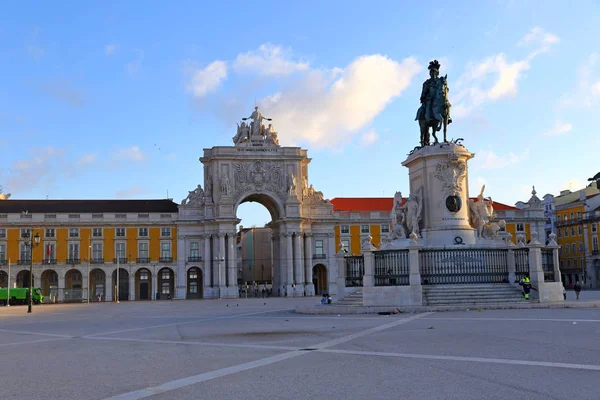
[
  {"x": 50, "y": 261},
  {"x": 521, "y": 263},
  {"x": 548, "y": 265},
  {"x": 355, "y": 269},
  {"x": 143, "y": 260},
  {"x": 463, "y": 266},
  {"x": 166, "y": 260},
  {"x": 319, "y": 256},
  {"x": 121, "y": 260},
  {"x": 194, "y": 259},
  {"x": 391, "y": 268},
  {"x": 73, "y": 261},
  {"x": 97, "y": 261}
]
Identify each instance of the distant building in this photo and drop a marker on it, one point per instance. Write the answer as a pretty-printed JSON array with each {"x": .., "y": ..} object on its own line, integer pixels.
[
  {"x": 255, "y": 255},
  {"x": 577, "y": 222}
]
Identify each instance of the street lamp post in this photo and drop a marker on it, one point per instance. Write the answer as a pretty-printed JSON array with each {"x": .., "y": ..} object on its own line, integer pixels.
[
  {"x": 88, "y": 271},
  {"x": 31, "y": 243}
]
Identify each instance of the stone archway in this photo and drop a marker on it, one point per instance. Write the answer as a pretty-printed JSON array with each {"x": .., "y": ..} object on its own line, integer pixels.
[
  {"x": 123, "y": 287},
  {"x": 49, "y": 283},
  {"x": 3, "y": 279},
  {"x": 195, "y": 283},
  {"x": 257, "y": 169},
  {"x": 166, "y": 283},
  {"x": 320, "y": 279},
  {"x": 98, "y": 285},
  {"x": 73, "y": 286},
  {"x": 23, "y": 280},
  {"x": 143, "y": 284}
]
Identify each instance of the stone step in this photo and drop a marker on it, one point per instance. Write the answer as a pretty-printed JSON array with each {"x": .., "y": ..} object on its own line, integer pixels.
[
  {"x": 473, "y": 295},
  {"x": 479, "y": 301}
]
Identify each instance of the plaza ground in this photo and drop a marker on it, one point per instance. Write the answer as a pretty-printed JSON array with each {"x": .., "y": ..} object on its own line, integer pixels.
[{"x": 261, "y": 349}]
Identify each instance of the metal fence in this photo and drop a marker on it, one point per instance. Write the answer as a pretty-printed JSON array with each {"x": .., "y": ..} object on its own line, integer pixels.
[
  {"x": 355, "y": 269},
  {"x": 548, "y": 265},
  {"x": 521, "y": 263},
  {"x": 392, "y": 268},
  {"x": 463, "y": 266}
]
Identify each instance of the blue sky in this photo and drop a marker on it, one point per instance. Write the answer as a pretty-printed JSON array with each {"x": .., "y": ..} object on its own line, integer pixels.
[{"x": 115, "y": 100}]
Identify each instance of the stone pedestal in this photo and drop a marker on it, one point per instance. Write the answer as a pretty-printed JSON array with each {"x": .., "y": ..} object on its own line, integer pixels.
[{"x": 438, "y": 174}]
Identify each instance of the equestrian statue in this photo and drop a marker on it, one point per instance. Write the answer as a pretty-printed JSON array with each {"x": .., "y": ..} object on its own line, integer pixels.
[{"x": 434, "y": 112}]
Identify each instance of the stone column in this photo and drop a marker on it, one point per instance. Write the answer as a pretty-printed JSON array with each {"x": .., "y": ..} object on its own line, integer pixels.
[
  {"x": 275, "y": 265},
  {"x": 221, "y": 263},
  {"x": 180, "y": 270},
  {"x": 283, "y": 280},
  {"x": 298, "y": 264},
  {"x": 231, "y": 261},
  {"x": 555, "y": 257},
  {"x": 332, "y": 267},
  {"x": 369, "y": 276},
  {"x": 414, "y": 279},
  {"x": 289, "y": 263},
  {"x": 546, "y": 291},
  {"x": 308, "y": 271},
  {"x": 208, "y": 273},
  {"x": 154, "y": 285},
  {"x": 61, "y": 285},
  {"x": 131, "y": 286}
]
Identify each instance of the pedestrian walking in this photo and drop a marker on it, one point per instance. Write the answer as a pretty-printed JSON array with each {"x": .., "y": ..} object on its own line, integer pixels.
[
  {"x": 577, "y": 289},
  {"x": 526, "y": 284}
]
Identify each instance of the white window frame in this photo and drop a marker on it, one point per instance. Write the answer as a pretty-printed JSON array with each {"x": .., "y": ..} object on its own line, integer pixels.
[
  {"x": 595, "y": 243},
  {"x": 346, "y": 243},
  {"x": 120, "y": 232},
  {"x": 121, "y": 250},
  {"x": 146, "y": 250},
  {"x": 73, "y": 250},
  {"x": 574, "y": 248},
  {"x": 166, "y": 250},
  {"x": 2, "y": 233},
  {"x": 52, "y": 255},
  {"x": 97, "y": 232},
  {"x": 50, "y": 233},
  {"x": 143, "y": 232},
  {"x": 385, "y": 228},
  {"x": 195, "y": 249},
  {"x": 317, "y": 247},
  {"x": 363, "y": 230},
  {"x": 2, "y": 252},
  {"x": 346, "y": 230},
  {"x": 594, "y": 228},
  {"x": 73, "y": 233},
  {"x": 521, "y": 225},
  {"x": 97, "y": 251},
  {"x": 165, "y": 232}
]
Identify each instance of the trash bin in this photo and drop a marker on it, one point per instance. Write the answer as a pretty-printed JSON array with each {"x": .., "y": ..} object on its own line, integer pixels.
[{"x": 157, "y": 295}]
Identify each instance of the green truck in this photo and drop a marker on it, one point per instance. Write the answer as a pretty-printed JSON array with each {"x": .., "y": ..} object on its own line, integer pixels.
[{"x": 20, "y": 295}]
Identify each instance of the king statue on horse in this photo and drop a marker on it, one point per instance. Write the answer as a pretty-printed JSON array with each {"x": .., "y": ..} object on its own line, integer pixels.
[{"x": 434, "y": 112}]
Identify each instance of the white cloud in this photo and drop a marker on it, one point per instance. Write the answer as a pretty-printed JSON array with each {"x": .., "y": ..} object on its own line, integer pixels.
[
  {"x": 369, "y": 138},
  {"x": 87, "y": 159},
  {"x": 205, "y": 80},
  {"x": 268, "y": 60},
  {"x": 130, "y": 192},
  {"x": 110, "y": 49},
  {"x": 587, "y": 92},
  {"x": 133, "y": 153},
  {"x": 495, "y": 77},
  {"x": 326, "y": 107},
  {"x": 542, "y": 40},
  {"x": 558, "y": 129},
  {"x": 41, "y": 169},
  {"x": 490, "y": 160}
]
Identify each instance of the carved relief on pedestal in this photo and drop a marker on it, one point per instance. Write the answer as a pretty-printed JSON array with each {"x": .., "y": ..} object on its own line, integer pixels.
[
  {"x": 259, "y": 176},
  {"x": 451, "y": 172}
]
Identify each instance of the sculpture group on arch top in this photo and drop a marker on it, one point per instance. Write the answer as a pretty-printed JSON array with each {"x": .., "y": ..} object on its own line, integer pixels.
[{"x": 259, "y": 174}]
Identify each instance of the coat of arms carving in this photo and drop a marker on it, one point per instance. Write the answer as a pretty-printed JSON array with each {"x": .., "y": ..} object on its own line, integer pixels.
[
  {"x": 452, "y": 173},
  {"x": 259, "y": 176}
]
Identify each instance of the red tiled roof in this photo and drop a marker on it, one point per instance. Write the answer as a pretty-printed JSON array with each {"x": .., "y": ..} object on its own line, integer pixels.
[
  {"x": 383, "y": 204},
  {"x": 87, "y": 206}
]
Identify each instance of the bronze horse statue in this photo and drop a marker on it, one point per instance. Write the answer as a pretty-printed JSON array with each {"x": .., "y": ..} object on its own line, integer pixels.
[{"x": 441, "y": 112}]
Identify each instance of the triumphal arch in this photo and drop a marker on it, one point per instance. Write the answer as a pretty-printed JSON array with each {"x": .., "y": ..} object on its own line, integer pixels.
[{"x": 257, "y": 168}]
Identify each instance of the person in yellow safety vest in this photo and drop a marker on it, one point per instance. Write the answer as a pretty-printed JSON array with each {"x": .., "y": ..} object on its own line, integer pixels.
[{"x": 526, "y": 284}]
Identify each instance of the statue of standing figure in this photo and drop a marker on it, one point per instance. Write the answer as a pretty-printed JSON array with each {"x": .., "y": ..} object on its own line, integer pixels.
[
  {"x": 398, "y": 219},
  {"x": 256, "y": 126},
  {"x": 292, "y": 190},
  {"x": 413, "y": 209},
  {"x": 225, "y": 185},
  {"x": 434, "y": 112},
  {"x": 481, "y": 212}
]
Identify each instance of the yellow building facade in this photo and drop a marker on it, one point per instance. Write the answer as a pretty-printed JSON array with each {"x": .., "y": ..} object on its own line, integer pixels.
[{"x": 81, "y": 244}]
